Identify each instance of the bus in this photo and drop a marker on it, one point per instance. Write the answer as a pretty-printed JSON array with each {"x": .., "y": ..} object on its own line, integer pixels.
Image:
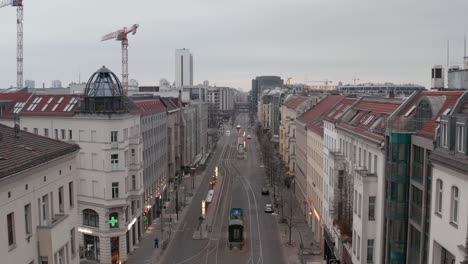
[{"x": 236, "y": 228}]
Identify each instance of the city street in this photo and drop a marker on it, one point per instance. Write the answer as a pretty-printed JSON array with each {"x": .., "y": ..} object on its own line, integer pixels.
[{"x": 240, "y": 187}]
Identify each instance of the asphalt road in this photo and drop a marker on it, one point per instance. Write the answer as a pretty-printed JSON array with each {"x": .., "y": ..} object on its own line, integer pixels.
[{"x": 241, "y": 187}]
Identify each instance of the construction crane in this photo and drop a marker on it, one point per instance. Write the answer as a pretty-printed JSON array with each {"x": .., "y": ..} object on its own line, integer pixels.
[
  {"x": 121, "y": 35},
  {"x": 19, "y": 38}
]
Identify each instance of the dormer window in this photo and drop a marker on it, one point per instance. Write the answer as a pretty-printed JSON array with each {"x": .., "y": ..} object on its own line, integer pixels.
[
  {"x": 444, "y": 135},
  {"x": 460, "y": 136}
]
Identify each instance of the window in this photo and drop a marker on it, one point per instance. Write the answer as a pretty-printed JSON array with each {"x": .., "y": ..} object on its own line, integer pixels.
[
  {"x": 90, "y": 218},
  {"x": 27, "y": 219},
  {"x": 439, "y": 189},
  {"x": 354, "y": 242},
  {"x": 62, "y": 131},
  {"x": 34, "y": 104},
  {"x": 454, "y": 205},
  {"x": 360, "y": 202},
  {"x": 133, "y": 182},
  {"x": 371, "y": 207},
  {"x": 71, "y": 194},
  {"x": 369, "y": 168},
  {"x": 358, "y": 247},
  {"x": 114, "y": 220},
  {"x": 460, "y": 137},
  {"x": 47, "y": 104},
  {"x": 133, "y": 208},
  {"x": 444, "y": 135},
  {"x": 70, "y": 104},
  {"x": 11, "y": 229},
  {"x": 56, "y": 133},
  {"x": 375, "y": 164},
  {"x": 133, "y": 160},
  {"x": 70, "y": 134},
  {"x": 115, "y": 190},
  {"x": 364, "y": 157},
  {"x": 45, "y": 209},
  {"x": 115, "y": 161},
  {"x": 113, "y": 136},
  {"x": 370, "y": 250},
  {"x": 359, "y": 161},
  {"x": 60, "y": 198},
  {"x": 355, "y": 201},
  {"x": 46, "y": 132},
  {"x": 36, "y": 131},
  {"x": 72, "y": 241}
]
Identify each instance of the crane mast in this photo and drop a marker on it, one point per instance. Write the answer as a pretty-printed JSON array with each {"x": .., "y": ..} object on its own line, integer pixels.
[
  {"x": 121, "y": 35},
  {"x": 19, "y": 46},
  {"x": 19, "y": 38}
]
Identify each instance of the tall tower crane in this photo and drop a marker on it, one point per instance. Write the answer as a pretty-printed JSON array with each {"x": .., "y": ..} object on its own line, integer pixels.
[
  {"x": 19, "y": 38},
  {"x": 121, "y": 35}
]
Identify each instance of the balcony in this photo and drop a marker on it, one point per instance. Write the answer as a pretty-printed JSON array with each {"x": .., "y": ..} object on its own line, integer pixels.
[
  {"x": 336, "y": 154},
  {"x": 396, "y": 210},
  {"x": 51, "y": 237},
  {"x": 416, "y": 213}
]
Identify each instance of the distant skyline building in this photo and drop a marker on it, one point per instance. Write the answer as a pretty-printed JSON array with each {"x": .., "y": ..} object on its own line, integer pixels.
[
  {"x": 261, "y": 83},
  {"x": 380, "y": 89},
  {"x": 56, "y": 84},
  {"x": 30, "y": 84},
  {"x": 183, "y": 67}
]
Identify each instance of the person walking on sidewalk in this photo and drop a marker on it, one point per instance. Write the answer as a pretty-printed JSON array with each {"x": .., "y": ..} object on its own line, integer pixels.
[{"x": 156, "y": 243}]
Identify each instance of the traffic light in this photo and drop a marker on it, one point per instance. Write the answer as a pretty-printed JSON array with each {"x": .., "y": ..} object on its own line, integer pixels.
[{"x": 145, "y": 216}]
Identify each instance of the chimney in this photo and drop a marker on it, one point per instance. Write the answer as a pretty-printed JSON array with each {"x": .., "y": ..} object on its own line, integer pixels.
[{"x": 437, "y": 80}]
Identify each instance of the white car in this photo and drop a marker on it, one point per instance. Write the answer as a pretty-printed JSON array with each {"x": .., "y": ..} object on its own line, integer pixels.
[
  {"x": 268, "y": 208},
  {"x": 228, "y": 132}
]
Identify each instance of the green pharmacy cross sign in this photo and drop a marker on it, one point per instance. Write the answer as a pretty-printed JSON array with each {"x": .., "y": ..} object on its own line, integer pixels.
[{"x": 113, "y": 221}]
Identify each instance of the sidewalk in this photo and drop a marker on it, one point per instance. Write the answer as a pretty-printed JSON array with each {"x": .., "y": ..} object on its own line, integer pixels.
[
  {"x": 300, "y": 233},
  {"x": 145, "y": 252}
]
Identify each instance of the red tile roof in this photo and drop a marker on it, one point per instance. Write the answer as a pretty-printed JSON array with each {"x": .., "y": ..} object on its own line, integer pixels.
[
  {"x": 14, "y": 98},
  {"x": 295, "y": 101},
  {"x": 428, "y": 129},
  {"x": 169, "y": 103},
  {"x": 313, "y": 118},
  {"x": 152, "y": 106},
  {"x": 52, "y": 104},
  {"x": 320, "y": 108},
  {"x": 369, "y": 116},
  {"x": 342, "y": 106},
  {"x": 28, "y": 150}
]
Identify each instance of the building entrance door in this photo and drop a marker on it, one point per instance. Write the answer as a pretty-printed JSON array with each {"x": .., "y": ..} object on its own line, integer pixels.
[{"x": 115, "y": 254}]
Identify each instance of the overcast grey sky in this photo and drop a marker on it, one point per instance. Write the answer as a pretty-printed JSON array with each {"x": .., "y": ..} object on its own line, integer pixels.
[{"x": 234, "y": 41}]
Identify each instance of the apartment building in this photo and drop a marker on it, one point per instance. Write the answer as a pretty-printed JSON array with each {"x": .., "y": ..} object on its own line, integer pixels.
[
  {"x": 106, "y": 125},
  {"x": 292, "y": 107},
  {"x": 308, "y": 174},
  {"x": 448, "y": 213},
  {"x": 38, "y": 206},
  {"x": 333, "y": 161},
  {"x": 411, "y": 137}
]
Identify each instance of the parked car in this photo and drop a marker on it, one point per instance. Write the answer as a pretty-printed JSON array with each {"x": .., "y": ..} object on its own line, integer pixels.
[
  {"x": 265, "y": 191},
  {"x": 249, "y": 137},
  {"x": 228, "y": 132},
  {"x": 268, "y": 208}
]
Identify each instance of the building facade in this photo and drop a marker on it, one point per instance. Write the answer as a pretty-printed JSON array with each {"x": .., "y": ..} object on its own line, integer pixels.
[
  {"x": 261, "y": 83},
  {"x": 38, "y": 183},
  {"x": 183, "y": 67}
]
